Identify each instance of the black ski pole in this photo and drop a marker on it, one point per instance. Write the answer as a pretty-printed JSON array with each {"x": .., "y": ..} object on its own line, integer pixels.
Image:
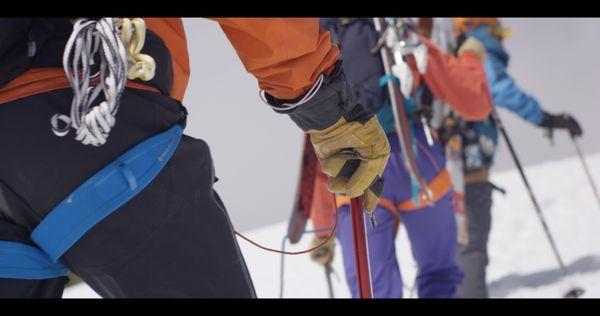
[
  {"x": 575, "y": 292},
  {"x": 328, "y": 272},
  {"x": 585, "y": 168}
]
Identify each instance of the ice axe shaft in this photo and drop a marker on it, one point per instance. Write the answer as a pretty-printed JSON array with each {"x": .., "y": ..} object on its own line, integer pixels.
[
  {"x": 361, "y": 252},
  {"x": 586, "y": 169}
]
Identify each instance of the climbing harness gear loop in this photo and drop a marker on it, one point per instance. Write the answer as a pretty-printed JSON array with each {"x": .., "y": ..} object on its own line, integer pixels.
[{"x": 104, "y": 193}]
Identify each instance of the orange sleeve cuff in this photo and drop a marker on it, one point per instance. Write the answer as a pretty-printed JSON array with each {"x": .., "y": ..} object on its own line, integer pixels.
[{"x": 286, "y": 55}]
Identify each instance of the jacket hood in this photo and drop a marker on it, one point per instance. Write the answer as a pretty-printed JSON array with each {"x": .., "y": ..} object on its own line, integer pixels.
[{"x": 491, "y": 44}]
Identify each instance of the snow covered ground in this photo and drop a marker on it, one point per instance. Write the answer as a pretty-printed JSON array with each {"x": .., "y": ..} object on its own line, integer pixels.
[{"x": 521, "y": 261}]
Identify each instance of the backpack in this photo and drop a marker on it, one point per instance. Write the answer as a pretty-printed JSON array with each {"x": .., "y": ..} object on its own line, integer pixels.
[
  {"x": 40, "y": 43},
  {"x": 20, "y": 39},
  {"x": 355, "y": 37}
]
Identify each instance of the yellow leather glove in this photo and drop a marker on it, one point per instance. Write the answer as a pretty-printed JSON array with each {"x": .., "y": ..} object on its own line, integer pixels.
[
  {"x": 471, "y": 44},
  {"x": 353, "y": 155},
  {"x": 348, "y": 140},
  {"x": 323, "y": 255}
]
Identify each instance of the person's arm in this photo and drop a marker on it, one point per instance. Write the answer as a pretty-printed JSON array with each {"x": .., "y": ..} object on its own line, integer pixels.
[
  {"x": 297, "y": 67},
  {"x": 460, "y": 81},
  {"x": 286, "y": 55},
  {"x": 506, "y": 93}
]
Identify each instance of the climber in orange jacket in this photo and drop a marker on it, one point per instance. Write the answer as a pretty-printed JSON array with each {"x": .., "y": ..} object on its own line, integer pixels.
[{"x": 124, "y": 200}]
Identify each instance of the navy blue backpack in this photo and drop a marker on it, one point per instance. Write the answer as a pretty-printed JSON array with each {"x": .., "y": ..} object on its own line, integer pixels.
[{"x": 356, "y": 37}]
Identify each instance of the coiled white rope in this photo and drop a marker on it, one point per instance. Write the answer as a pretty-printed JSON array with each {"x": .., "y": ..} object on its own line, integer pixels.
[{"x": 120, "y": 58}]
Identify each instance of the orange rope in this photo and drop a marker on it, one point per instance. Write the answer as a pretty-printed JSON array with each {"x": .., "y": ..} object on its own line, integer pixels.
[{"x": 331, "y": 234}]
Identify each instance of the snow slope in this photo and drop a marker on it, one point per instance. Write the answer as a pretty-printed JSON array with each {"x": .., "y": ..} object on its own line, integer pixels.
[{"x": 521, "y": 261}]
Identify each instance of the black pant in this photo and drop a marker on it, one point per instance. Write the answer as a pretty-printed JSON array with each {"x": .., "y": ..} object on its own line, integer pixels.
[
  {"x": 473, "y": 257},
  {"x": 174, "y": 239}
]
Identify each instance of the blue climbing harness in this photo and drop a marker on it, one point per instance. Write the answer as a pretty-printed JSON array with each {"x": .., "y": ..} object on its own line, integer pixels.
[
  {"x": 91, "y": 202},
  {"x": 22, "y": 261}
]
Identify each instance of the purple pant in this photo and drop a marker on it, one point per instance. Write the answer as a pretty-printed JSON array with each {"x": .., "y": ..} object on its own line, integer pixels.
[{"x": 431, "y": 230}]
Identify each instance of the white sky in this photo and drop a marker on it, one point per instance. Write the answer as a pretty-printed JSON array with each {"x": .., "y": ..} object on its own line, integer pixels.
[{"x": 257, "y": 152}]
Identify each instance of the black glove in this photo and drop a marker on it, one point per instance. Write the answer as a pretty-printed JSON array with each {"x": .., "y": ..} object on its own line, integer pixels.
[{"x": 564, "y": 120}]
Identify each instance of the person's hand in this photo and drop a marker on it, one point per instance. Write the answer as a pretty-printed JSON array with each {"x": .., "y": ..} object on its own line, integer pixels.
[
  {"x": 349, "y": 142},
  {"x": 562, "y": 121},
  {"x": 353, "y": 154},
  {"x": 323, "y": 255}
]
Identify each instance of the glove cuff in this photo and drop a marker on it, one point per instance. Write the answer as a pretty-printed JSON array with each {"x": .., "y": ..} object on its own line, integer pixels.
[
  {"x": 548, "y": 120},
  {"x": 333, "y": 100}
]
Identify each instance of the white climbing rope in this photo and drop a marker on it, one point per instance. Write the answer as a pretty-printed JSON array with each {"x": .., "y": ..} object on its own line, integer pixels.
[{"x": 116, "y": 45}]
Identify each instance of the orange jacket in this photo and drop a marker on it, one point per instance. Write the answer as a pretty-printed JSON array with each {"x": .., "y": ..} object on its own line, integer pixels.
[{"x": 285, "y": 55}]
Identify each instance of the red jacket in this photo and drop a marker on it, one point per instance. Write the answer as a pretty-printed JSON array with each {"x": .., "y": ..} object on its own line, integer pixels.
[{"x": 460, "y": 81}]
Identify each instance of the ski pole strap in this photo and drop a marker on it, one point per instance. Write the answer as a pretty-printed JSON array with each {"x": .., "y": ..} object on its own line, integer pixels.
[
  {"x": 415, "y": 189},
  {"x": 104, "y": 193},
  {"x": 415, "y": 186},
  {"x": 22, "y": 261},
  {"x": 497, "y": 188},
  {"x": 383, "y": 80}
]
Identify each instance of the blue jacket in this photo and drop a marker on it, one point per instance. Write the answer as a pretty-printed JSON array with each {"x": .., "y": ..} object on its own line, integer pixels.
[
  {"x": 505, "y": 93},
  {"x": 504, "y": 90}
]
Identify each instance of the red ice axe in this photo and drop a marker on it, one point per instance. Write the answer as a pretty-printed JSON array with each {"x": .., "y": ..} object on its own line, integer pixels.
[{"x": 361, "y": 252}]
